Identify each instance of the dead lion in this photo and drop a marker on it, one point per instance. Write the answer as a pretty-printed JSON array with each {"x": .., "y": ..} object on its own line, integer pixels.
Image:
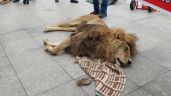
[
  {"x": 94, "y": 41},
  {"x": 4, "y": 1},
  {"x": 117, "y": 33}
]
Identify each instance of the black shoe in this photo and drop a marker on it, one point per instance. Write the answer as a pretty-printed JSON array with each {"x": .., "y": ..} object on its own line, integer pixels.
[
  {"x": 102, "y": 16},
  {"x": 25, "y": 1},
  {"x": 95, "y": 13},
  {"x": 74, "y": 1},
  {"x": 56, "y": 0},
  {"x": 15, "y": 1}
]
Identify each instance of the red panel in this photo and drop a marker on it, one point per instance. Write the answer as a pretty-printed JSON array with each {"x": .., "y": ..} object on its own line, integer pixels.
[{"x": 164, "y": 4}]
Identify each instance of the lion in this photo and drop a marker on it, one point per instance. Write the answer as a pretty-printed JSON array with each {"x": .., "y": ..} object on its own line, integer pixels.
[
  {"x": 94, "y": 41},
  {"x": 2, "y": 2},
  {"x": 117, "y": 33},
  {"x": 92, "y": 38}
]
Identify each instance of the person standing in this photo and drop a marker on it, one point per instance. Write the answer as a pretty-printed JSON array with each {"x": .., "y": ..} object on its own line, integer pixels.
[
  {"x": 72, "y": 1},
  {"x": 100, "y": 10}
]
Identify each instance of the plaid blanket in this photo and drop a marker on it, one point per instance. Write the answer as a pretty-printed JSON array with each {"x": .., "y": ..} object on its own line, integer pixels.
[{"x": 109, "y": 78}]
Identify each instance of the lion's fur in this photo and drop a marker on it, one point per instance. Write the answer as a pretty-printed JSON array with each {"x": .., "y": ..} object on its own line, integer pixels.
[
  {"x": 129, "y": 38},
  {"x": 93, "y": 20},
  {"x": 4, "y": 1},
  {"x": 95, "y": 39}
]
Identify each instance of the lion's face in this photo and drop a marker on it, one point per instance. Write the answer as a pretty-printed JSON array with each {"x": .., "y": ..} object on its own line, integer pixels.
[{"x": 122, "y": 53}]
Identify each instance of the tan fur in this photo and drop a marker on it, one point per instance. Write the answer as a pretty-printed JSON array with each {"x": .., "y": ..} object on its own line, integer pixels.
[
  {"x": 4, "y": 1},
  {"x": 76, "y": 25},
  {"x": 103, "y": 42}
]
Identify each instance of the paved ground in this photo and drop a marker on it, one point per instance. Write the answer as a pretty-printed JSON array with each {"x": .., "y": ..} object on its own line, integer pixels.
[{"x": 26, "y": 70}]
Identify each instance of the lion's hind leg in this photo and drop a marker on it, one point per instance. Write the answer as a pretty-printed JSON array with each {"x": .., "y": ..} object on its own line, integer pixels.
[{"x": 69, "y": 27}]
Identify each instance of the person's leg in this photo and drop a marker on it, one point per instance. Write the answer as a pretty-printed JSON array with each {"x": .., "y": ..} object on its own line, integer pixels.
[
  {"x": 74, "y": 1},
  {"x": 96, "y": 7},
  {"x": 15, "y": 1},
  {"x": 104, "y": 5}
]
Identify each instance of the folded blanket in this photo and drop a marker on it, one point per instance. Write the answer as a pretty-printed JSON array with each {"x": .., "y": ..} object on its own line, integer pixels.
[{"x": 109, "y": 78}]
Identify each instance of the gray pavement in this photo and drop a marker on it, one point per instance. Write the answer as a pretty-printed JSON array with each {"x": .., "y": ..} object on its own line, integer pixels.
[{"x": 26, "y": 70}]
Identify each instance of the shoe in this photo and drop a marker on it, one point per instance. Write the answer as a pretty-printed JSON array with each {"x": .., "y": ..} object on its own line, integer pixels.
[
  {"x": 25, "y": 1},
  {"x": 102, "y": 15},
  {"x": 56, "y": 1},
  {"x": 95, "y": 13},
  {"x": 74, "y": 1},
  {"x": 15, "y": 1}
]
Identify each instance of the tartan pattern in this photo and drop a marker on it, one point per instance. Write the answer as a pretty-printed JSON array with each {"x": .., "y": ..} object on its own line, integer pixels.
[{"x": 109, "y": 78}]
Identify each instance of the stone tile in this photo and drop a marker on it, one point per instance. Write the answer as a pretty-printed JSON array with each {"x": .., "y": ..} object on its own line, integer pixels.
[
  {"x": 9, "y": 27},
  {"x": 38, "y": 72},
  {"x": 10, "y": 86},
  {"x": 115, "y": 21},
  {"x": 140, "y": 92},
  {"x": 5, "y": 67},
  {"x": 68, "y": 89},
  {"x": 2, "y": 52},
  {"x": 130, "y": 86},
  {"x": 145, "y": 32},
  {"x": 53, "y": 37},
  {"x": 146, "y": 44},
  {"x": 30, "y": 21},
  {"x": 160, "y": 86},
  {"x": 160, "y": 55},
  {"x": 143, "y": 70},
  {"x": 14, "y": 35},
  {"x": 19, "y": 46},
  {"x": 37, "y": 30},
  {"x": 90, "y": 89},
  {"x": 67, "y": 62},
  {"x": 38, "y": 34}
]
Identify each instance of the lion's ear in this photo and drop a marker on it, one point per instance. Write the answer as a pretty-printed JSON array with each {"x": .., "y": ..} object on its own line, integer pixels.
[{"x": 117, "y": 36}]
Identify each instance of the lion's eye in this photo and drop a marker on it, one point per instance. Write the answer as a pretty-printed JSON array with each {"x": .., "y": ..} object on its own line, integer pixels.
[{"x": 126, "y": 49}]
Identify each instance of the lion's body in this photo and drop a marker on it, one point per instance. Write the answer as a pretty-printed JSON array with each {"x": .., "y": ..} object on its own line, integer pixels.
[
  {"x": 92, "y": 38},
  {"x": 4, "y": 1},
  {"x": 90, "y": 43}
]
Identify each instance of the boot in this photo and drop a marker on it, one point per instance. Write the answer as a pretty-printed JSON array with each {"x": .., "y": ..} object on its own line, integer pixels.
[{"x": 74, "y": 1}]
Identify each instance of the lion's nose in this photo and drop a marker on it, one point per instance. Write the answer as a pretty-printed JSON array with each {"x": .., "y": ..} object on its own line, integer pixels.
[{"x": 129, "y": 62}]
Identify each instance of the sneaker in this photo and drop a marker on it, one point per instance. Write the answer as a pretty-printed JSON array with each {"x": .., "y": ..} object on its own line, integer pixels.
[
  {"x": 95, "y": 13},
  {"x": 74, "y": 1}
]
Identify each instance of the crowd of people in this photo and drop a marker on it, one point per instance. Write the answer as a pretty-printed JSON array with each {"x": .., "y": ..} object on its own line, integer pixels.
[{"x": 99, "y": 9}]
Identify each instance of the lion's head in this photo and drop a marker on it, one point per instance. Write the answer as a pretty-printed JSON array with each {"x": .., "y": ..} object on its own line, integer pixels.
[{"x": 119, "y": 51}]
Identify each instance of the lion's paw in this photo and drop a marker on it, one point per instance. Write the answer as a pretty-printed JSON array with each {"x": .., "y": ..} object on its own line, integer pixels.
[
  {"x": 45, "y": 42},
  {"x": 51, "y": 50}
]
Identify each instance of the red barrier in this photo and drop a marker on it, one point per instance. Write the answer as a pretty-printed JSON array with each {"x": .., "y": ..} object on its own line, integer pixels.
[{"x": 161, "y": 5}]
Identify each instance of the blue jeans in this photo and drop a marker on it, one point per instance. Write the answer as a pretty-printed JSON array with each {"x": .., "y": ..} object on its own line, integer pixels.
[{"x": 103, "y": 9}]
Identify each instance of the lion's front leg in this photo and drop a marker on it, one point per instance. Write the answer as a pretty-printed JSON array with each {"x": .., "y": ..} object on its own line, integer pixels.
[{"x": 54, "y": 48}]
